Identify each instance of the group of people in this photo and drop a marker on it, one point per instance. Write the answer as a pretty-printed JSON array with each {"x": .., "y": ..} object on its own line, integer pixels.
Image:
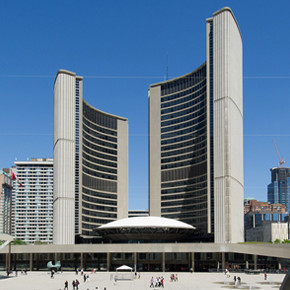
[
  {"x": 158, "y": 282},
  {"x": 75, "y": 284},
  {"x": 237, "y": 281},
  {"x": 173, "y": 278}
]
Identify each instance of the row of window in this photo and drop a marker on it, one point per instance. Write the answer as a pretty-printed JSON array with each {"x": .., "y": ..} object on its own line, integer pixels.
[
  {"x": 193, "y": 154},
  {"x": 194, "y": 128},
  {"x": 185, "y": 82},
  {"x": 99, "y": 135},
  {"x": 185, "y": 163},
  {"x": 184, "y": 144},
  {"x": 193, "y": 194},
  {"x": 99, "y": 184},
  {"x": 194, "y": 148},
  {"x": 187, "y": 201},
  {"x": 178, "y": 97},
  {"x": 184, "y": 118},
  {"x": 96, "y": 147},
  {"x": 182, "y": 112},
  {"x": 98, "y": 174},
  {"x": 99, "y": 142},
  {"x": 184, "y": 173},
  {"x": 99, "y": 201},
  {"x": 96, "y": 220},
  {"x": 196, "y": 119},
  {"x": 95, "y": 207},
  {"x": 191, "y": 208},
  {"x": 92, "y": 213},
  {"x": 98, "y": 128},
  {"x": 98, "y": 117},
  {"x": 99, "y": 168},
  {"x": 188, "y": 181},
  {"x": 193, "y": 100},
  {"x": 98, "y": 154},
  {"x": 99, "y": 161},
  {"x": 99, "y": 194},
  {"x": 201, "y": 133}
]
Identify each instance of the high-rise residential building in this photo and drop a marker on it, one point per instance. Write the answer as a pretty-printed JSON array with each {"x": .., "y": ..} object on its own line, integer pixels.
[
  {"x": 5, "y": 201},
  {"x": 196, "y": 139},
  {"x": 90, "y": 163},
  {"x": 279, "y": 188},
  {"x": 33, "y": 200}
]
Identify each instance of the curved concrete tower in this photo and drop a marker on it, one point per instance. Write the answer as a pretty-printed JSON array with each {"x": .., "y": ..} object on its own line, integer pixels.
[
  {"x": 196, "y": 139},
  {"x": 91, "y": 164}
]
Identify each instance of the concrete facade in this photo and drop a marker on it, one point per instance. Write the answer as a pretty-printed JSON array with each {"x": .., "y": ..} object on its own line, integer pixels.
[
  {"x": 64, "y": 157},
  {"x": 33, "y": 202},
  {"x": 5, "y": 202},
  {"x": 185, "y": 257},
  {"x": 269, "y": 231},
  {"x": 228, "y": 127},
  {"x": 91, "y": 163},
  {"x": 196, "y": 139}
]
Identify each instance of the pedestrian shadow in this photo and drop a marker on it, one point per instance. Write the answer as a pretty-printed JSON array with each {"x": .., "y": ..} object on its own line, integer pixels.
[{"x": 231, "y": 285}]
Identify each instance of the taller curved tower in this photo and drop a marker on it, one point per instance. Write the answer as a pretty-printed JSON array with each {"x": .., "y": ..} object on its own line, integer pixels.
[
  {"x": 196, "y": 139},
  {"x": 91, "y": 163}
]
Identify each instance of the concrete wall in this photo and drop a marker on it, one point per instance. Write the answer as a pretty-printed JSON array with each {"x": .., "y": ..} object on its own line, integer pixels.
[
  {"x": 64, "y": 158},
  {"x": 228, "y": 127},
  {"x": 122, "y": 187},
  {"x": 154, "y": 152}
]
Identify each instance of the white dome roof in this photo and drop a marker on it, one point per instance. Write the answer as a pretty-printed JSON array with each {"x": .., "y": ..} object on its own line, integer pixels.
[{"x": 146, "y": 222}]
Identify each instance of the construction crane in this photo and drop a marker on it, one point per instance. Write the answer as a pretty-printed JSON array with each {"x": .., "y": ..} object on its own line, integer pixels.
[{"x": 281, "y": 161}]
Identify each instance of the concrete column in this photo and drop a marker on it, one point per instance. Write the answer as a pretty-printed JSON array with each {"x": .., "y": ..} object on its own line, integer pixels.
[
  {"x": 223, "y": 261},
  {"x": 14, "y": 262},
  {"x": 163, "y": 262},
  {"x": 30, "y": 262},
  {"x": 108, "y": 261},
  {"x": 82, "y": 260},
  {"x": 192, "y": 261},
  {"x": 255, "y": 262},
  {"x": 85, "y": 260},
  {"x": 6, "y": 261},
  {"x": 55, "y": 258},
  {"x": 135, "y": 261},
  {"x": 246, "y": 258}
]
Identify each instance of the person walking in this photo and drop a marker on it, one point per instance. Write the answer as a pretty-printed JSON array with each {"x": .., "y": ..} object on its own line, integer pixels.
[
  {"x": 77, "y": 284},
  {"x": 65, "y": 285},
  {"x": 152, "y": 282}
]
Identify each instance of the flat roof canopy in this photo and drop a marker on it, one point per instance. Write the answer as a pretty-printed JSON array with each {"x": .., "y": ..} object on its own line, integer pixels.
[{"x": 145, "y": 228}]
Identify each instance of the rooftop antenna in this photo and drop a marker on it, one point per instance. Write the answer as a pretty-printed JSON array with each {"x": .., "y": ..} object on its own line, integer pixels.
[{"x": 167, "y": 66}]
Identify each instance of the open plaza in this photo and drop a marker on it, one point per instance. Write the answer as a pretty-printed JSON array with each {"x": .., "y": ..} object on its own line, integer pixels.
[{"x": 105, "y": 280}]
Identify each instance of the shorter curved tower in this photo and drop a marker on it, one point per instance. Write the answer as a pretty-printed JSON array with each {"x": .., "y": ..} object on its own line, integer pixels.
[{"x": 91, "y": 163}]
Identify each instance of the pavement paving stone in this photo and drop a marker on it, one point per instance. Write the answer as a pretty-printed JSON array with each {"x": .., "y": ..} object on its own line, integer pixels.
[{"x": 105, "y": 281}]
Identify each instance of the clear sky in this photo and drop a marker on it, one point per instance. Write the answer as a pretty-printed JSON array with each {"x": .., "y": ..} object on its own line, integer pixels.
[{"x": 120, "y": 48}]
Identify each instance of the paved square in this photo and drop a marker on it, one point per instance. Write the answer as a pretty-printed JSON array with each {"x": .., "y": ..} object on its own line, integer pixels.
[{"x": 102, "y": 280}]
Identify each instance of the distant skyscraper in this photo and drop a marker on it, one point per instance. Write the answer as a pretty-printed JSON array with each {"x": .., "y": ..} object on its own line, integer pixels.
[
  {"x": 279, "y": 188},
  {"x": 196, "y": 139},
  {"x": 90, "y": 163},
  {"x": 33, "y": 202},
  {"x": 5, "y": 201}
]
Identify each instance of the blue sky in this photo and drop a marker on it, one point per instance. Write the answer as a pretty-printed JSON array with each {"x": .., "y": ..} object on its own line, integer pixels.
[{"x": 120, "y": 48}]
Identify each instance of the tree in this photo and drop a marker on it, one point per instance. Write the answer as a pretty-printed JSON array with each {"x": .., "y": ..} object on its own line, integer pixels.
[{"x": 19, "y": 242}]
